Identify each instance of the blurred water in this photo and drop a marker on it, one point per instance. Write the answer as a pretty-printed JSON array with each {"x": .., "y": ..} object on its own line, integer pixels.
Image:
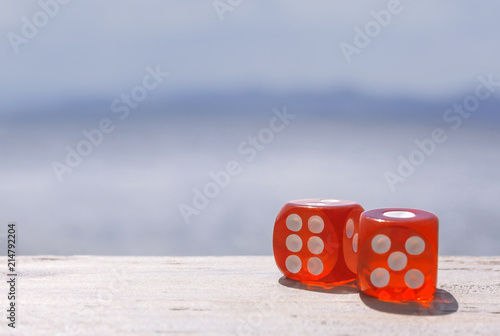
[
  {"x": 124, "y": 198},
  {"x": 353, "y": 120}
]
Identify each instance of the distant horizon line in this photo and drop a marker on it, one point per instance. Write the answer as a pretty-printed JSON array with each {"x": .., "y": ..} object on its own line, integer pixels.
[{"x": 204, "y": 95}]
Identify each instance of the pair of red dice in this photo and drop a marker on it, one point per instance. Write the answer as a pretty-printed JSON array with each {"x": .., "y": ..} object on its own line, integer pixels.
[{"x": 392, "y": 252}]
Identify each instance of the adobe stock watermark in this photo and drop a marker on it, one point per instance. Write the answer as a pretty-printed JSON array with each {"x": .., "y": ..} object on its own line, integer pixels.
[
  {"x": 31, "y": 26},
  {"x": 254, "y": 321},
  {"x": 95, "y": 304},
  {"x": 453, "y": 119},
  {"x": 371, "y": 30},
  {"x": 121, "y": 107},
  {"x": 249, "y": 150},
  {"x": 221, "y": 7}
]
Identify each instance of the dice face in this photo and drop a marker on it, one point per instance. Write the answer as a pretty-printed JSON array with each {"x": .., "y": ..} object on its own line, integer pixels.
[
  {"x": 350, "y": 243},
  {"x": 316, "y": 240},
  {"x": 398, "y": 250}
]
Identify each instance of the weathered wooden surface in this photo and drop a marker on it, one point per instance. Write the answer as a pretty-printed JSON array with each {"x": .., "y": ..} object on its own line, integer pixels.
[{"x": 231, "y": 296}]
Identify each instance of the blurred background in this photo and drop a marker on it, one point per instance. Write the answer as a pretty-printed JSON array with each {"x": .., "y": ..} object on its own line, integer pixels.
[{"x": 102, "y": 152}]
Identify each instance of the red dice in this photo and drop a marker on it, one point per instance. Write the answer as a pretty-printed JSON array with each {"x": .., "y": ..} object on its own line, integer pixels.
[
  {"x": 317, "y": 240},
  {"x": 398, "y": 254}
]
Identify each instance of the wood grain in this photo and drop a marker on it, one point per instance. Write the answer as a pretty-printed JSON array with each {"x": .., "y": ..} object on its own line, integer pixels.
[{"x": 87, "y": 295}]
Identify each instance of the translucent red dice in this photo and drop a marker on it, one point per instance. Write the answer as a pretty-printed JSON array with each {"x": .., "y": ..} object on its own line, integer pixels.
[
  {"x": 398, "y": 254},
  {"x": 317, "y": 240}
]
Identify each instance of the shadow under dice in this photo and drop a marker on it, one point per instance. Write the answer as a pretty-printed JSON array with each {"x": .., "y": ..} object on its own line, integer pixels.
[
  {"x": 317, "y": 240},
  {"x": 398, "y": 254}
]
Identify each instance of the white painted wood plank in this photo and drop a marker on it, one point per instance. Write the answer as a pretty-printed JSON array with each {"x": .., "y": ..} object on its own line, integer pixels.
[{"x": 234, "y": 295}]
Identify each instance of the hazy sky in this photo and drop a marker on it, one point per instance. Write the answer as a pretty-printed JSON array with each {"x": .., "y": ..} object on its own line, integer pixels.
[
  {"x": 100, "y": 48},
  {"x": 124, "y": 198}
]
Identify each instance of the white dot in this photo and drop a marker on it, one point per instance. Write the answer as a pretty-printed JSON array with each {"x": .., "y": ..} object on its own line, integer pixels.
[
  {"x": 315, "y": 266},
  {"x": 316, "y": 204},
  {"x": 380, "y": 277},
  {"x": 330, "y": 201},
  {"x": 294, "y": 222},
  {"x": 414, "y": 278},
  {"x": 381, "y": 243},
  {"x": 316, "y": 224},
  {"x": 397, "y": 261},
  {"x": 294, "y": 243},
  {"x": 415, "y": 245},
  {"x": 399, "y": 214},
  {"x": 349, "y": 228},
  {"x": 355, "y": 243},
  {"x": 293, "y": 264},
  {"x": 315, "y": 245}
]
